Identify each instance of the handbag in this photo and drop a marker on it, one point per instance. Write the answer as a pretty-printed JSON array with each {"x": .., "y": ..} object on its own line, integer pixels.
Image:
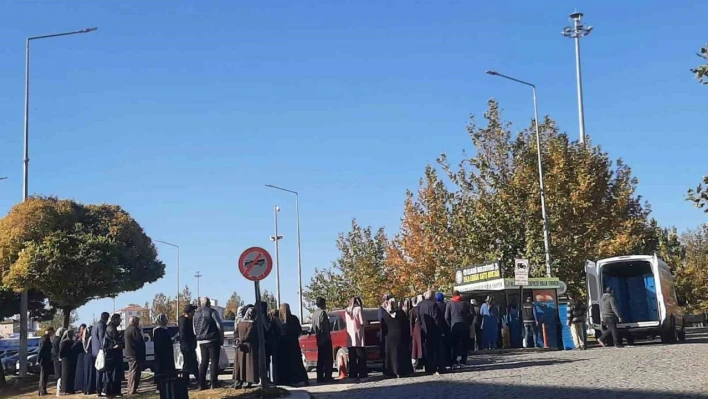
[
  {"x": 100, "y": 360},
  {"x": 223, "y": 359}
]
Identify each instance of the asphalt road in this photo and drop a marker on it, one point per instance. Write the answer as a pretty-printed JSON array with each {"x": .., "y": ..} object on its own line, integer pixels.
[{"x": 646, "y": 371}]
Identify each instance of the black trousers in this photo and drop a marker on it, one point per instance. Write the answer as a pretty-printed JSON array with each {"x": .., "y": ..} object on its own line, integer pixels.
[
  {"x": 611, "y": 324},
  {"x": 357, "y": 362},
  {"x": 210, "y": 359},
  {"x": 478, "y": 336},
  {"x": 434, "y": 352},
  {"x": 190, "y": 365},
  {"x": 324, "y": 361},
  {"x": 459, "y": 338},
  {"x": 44, "y": 371}
]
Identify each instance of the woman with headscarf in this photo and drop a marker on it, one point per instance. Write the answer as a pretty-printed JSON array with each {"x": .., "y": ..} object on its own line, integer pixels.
[
  {"x": 288, "y": 357},
  {"x": 356, "y": 323},
  {"x": 113, "y": 349},
  {"x": 396, "y": 328},
  {"x": 68, "y": 363},
  {"x": 56, "y": 359},
  {"x": 164, "y": 366},
  {"x": 489, "y": 324},
  {"x": 89, "y": 367},
  {"x": 416, "y": 338},
  {"x": 246, "y": 362},
  {"x": 80, "y": 355}
]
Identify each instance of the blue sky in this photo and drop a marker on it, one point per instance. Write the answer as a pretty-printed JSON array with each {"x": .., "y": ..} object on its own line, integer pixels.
[{"x": 182, "y": 111}]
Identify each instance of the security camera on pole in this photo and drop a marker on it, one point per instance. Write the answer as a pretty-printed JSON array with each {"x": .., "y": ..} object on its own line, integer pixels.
[{"x": 255, "y": 264}]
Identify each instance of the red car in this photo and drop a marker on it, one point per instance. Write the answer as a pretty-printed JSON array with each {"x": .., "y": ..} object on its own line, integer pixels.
[{"x": 338, "y": 332}]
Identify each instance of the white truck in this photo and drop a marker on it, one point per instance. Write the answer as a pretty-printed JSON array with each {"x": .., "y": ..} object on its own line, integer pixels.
[{"x": 645, "y": 296}]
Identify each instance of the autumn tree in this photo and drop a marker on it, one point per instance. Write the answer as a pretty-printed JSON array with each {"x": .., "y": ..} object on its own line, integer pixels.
[
  {"x": 699, "y": 196},
  {"x": 592, "y": 206},
  {"x": 145, "y": 314},
  {"x": 234, "y": 303},
  {"x": 424, "y": 253},
  {"x": 360, "y": 270},
  {"x": 58, "y": 321},
  {"x": 162, "y": 303},
  {"x": 691, "y": 274},
  {"x": 45, "y": 243}
]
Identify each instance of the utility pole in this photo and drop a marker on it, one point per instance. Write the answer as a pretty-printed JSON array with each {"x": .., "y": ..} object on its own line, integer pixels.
[
  {"x": 577, "y": 31},
  {"x": 277, "y": 239}
]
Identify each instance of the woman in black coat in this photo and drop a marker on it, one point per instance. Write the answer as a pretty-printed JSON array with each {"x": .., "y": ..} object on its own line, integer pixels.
[
  {"x": 68, "y": 363},
  {"x": 113, "y": 349},
  {"x": 397, "y": 335},
  {"x": 288, "y": 357},
  {"x": 80, "y": 363},
  {"x": 164, "y": 353}
]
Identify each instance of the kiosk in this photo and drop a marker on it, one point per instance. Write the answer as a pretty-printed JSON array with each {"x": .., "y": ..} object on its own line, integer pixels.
[{"x": 479, "y": 281}]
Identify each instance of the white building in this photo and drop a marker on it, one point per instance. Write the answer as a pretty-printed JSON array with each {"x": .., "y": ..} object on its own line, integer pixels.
[{"x": 129, "y": 311}]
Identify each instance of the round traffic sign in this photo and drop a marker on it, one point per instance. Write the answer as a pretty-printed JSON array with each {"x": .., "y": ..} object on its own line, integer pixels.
[{"x": 255, "y": 263}]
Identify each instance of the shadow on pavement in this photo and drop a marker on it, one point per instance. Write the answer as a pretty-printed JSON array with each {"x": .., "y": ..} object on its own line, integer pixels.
[{"x": 471, "y": 389}]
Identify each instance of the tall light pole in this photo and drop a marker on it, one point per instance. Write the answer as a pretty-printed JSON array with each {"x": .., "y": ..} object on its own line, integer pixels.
[
  {"x": 24, "y": 301},
  {"x": 277, "y": 239},
  {"x": 546, "y": 239},
  {"x": 198, "y": 275},
  {"x": 299, "y": 252},
  {"x": 577, "y": 31},
  {"x": 178, "y": 286}
]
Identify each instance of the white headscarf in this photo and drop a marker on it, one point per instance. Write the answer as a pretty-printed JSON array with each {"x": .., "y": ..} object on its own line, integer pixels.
[{"x": 161, "y": 320}]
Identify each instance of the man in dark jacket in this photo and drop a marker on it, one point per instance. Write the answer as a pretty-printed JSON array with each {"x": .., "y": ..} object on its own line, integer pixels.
[
  {"x": 44, "y": 359},
  {"x": 210, "y": 336},
  {"x": 134, "y": 353},
  {"x": 458, "y": 317},
  {"x": 610, "y": 318},
  {"x": 321, "y": 328},
  {"x": 98, "y": 333},
  {"x": 188, "y": 343},
  {"x": 576, "y": 321},
  {"x": 432, "y": 330}
]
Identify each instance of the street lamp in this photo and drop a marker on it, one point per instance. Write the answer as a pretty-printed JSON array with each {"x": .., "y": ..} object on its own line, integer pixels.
[
  {"x": 178, "y": 286},
  {"x": 299, "y": 252},
  {"x": 277, "y": 239},
  {"x": 198, "y": 275},
  {"x": 577, "y": 31},
  {"x": 546, "y": 239},
  {"x": 24, "y": 301}
]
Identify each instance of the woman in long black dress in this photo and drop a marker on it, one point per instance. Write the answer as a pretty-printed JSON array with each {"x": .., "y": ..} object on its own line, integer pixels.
[
  {"x": 56, "y": 358},
  {"x": 113, "y": 349},
  {"x": 164, "y": 354},
  {"x": 89, "y": 368},
  {"x": 80, "y": 354},
  {"x": 396, "y": 330},
  {"x": 290, "y": 371},
  {"x": 68, "y": 363}
]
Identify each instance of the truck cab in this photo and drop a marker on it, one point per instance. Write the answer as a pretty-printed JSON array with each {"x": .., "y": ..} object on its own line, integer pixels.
[{"x": 644, "y": 293}]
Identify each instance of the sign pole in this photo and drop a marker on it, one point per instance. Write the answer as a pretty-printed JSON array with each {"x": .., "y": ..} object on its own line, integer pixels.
[{"x": 260, "y": 317}]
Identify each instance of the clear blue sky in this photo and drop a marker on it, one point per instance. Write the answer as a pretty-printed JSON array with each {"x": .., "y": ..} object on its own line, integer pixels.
[{"x": 182, "y": 111}]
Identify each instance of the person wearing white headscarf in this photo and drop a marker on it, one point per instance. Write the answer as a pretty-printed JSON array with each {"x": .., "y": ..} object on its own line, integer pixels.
[
  {"x": 246, "y": 362},
  {"x": 397, "y": 334},
  {"x": 68, "y": 362},
  {"x": 164, "y": 354},
  {"x": 56, "y": 359}
]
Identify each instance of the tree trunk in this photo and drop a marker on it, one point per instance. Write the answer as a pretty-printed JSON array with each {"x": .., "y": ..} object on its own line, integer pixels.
[{"x": 66, "y": 312}]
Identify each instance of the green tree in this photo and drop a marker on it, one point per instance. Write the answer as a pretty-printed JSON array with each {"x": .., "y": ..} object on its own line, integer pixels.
[
  {"x": 234, "y": 303},
  {"x": 699, "y": 196},
  {"x": 701, "y": 71},
  {"x": 270, "y": 299},
  {"x": 592, "y": 206},
  {"x": 39, "y": 307},
  {"x": 360, "y": 270},
  {"x": 46, "y": 242}
]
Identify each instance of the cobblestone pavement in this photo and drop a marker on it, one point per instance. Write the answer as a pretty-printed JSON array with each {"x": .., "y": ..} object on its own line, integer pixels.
[{"x": 643, "y": 371}]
